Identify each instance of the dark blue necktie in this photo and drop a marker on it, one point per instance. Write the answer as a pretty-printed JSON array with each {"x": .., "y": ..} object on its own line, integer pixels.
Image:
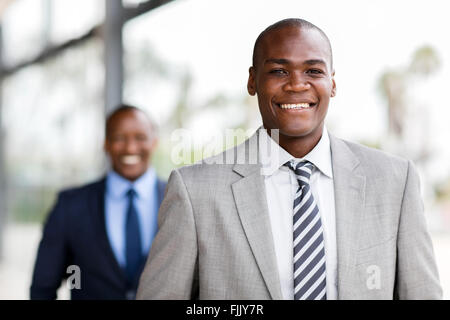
[{"x": 133, "y": 246}]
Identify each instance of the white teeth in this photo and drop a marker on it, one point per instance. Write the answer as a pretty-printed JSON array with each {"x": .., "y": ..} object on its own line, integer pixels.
[
  {"x": 131, "y": 160},
  {"x": 295, "y": 106}
]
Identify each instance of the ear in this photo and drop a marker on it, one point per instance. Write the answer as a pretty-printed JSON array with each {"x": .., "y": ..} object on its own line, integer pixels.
[
  {"x": 251, "y": 86},
  {"x": 333, "y": 88},
  {"x": 154, "y": 144}
]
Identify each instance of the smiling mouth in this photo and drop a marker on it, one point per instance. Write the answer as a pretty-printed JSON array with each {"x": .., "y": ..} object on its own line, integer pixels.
[
  {"x": 297, "y": 106},
  {"x": 130, "y": 159}
]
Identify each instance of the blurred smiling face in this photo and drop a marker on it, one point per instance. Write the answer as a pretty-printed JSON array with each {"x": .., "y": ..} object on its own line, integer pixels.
[
  {"x": 294, "y": 81},
  {"x": 129, "y": 143}
]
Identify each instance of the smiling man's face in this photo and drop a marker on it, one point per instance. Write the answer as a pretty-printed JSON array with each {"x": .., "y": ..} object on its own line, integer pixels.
[
  {"x": 129, "y": 143},
  {"x": 294, "y": 80}
]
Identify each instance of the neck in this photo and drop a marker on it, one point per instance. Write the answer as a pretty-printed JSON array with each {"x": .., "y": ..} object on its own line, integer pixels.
[{"x": 299, "y": 146}]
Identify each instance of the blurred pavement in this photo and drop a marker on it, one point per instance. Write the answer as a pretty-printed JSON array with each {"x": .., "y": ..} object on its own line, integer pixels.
[{"x": 19, "y": 253}]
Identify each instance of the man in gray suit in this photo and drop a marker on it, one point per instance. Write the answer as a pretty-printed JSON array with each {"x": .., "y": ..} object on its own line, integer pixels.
[{"x": 299, "y": 214}]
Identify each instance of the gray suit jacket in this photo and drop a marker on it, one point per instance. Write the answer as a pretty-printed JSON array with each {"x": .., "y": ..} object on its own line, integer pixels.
[{"x": 215, "y": 240}]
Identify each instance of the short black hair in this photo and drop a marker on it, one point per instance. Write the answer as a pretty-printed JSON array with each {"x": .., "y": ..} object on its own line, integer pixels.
[
  {"x": 291, "y": 22},
  {"x": 126, "y": 108}
]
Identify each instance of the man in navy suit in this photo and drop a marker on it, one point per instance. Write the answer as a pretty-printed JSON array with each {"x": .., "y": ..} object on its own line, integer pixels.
[{"x": 103, "y": 231}]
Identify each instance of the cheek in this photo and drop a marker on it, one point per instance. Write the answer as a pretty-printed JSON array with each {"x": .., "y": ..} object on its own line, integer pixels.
[
  {"x": 268, "y": 87},
  {"x": 265, "y": 99},
  {"x": 324, "y": 94},
  {"x": 266, "y": 110},
  {"x": 146, "y": 149},
  {"x": 114, "y": 149}
]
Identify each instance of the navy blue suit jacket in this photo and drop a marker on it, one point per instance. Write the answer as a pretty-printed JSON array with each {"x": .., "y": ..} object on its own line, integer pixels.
[{"x": 75, "y": 234}]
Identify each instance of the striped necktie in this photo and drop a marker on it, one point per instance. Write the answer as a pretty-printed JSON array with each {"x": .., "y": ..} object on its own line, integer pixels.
[{"x": 309, "y": 247}]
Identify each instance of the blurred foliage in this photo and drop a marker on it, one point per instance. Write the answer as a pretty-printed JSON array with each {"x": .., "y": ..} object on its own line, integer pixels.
[
  {"x": 425, "y": 61},
  {"x": 31, "y": 204},
  {"x": 442, "y": 190},
  {"x": 406, "y": 115},
  {"x": 392, "y": 85}
]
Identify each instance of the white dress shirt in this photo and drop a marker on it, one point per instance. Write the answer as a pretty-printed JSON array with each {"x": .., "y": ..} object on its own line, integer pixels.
[{"x": 281, "y": 186}]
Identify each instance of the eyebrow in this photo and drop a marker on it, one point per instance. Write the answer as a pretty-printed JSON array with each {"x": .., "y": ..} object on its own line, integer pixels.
[
  {"x": 285, "y": 61},
  {"x": 315, "y": 61},
  {"x": 277, "y": 61}
]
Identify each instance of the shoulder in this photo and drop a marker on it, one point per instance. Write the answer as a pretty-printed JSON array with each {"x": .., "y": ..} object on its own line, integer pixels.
[
  {"x": 212, "y": 173},
  {"x": 378, "y": 163},
  {"x": 72, "y": 204},
  {"x": 81, "y": 192},
  {"x": 201, "y": 177},
  {"x": 221, "y": 167},
  {"x": 369, "y": 154}
]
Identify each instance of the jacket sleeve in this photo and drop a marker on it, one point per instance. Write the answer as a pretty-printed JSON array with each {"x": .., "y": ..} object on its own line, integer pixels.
[
  {"x": 417, "y": 275},
  {"x": 52, "y": 255},
  {"x": 171, "y": 268}
]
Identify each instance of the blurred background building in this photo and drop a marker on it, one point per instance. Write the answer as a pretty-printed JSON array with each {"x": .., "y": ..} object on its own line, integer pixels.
[{"x": 64, "y": 64}]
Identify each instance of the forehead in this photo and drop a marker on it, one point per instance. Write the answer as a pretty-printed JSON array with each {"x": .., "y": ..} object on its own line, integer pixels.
[
  {"x": 294, "y": 44},
  {"x": 129, "y": 120}
]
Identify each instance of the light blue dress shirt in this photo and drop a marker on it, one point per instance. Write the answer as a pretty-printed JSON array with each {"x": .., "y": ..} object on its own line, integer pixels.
[{"x": 116, "y": 205}]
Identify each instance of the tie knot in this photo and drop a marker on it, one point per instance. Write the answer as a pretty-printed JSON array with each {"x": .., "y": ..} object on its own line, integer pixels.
[
  {"x": 131, "y": 193},
  {"x": 302, "y": 170}
]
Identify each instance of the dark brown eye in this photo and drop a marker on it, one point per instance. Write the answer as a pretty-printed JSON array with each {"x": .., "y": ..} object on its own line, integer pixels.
[
  {"x": 141, "y": 138},
  {"x": 278, "y": 71},
  {"x": 118, "y": 138},
  {"x": 315, "y": 71}
]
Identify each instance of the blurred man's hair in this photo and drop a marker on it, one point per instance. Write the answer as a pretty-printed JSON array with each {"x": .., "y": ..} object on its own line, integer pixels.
[{"x": 127, "y": 108}]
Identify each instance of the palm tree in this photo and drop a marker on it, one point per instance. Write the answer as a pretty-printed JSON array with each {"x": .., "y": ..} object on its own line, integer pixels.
[{"x": 393, "y": 84}]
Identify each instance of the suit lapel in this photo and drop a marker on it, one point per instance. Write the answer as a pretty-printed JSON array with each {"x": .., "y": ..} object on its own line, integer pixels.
[
  {"x": 349, "y": 191},
  {"x": 250, "y": 197},
  {"x": 97, "y": 211}
]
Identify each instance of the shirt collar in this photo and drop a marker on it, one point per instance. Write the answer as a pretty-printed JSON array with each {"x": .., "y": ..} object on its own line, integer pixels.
[
  {"x": 320, "y": 155},
  {"x": 117, "y": 186}
]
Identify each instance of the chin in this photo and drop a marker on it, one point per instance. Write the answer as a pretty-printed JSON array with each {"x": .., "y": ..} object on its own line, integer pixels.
[
  {"x": 296, "y": 132},
  {"x": 131, "y": 174},
  {"x": 301, "y": 130}
]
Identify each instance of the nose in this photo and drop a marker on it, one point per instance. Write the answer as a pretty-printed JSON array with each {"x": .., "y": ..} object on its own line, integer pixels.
[
  {"x": 296, "y": 83},
  {"x": 131, "y": 146}
]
